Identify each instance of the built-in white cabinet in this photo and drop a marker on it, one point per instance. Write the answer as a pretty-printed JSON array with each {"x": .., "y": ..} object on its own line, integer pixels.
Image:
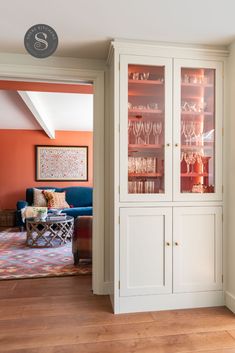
[
  {"x": 145, "y": 251},
  {"x": 167, "y": 191},
  {"x": 197, "y": 249}
]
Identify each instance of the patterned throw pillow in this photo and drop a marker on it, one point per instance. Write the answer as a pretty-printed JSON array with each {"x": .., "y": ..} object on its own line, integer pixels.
[
  {"x": 39, "y": 199},
  {"x": 55, "y": 199}
]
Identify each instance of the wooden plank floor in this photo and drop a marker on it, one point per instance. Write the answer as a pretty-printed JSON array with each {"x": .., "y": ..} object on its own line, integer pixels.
[{"x": 61, "y": 315}]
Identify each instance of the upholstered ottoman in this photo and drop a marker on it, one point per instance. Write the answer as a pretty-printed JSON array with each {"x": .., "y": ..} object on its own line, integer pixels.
[{"x": 82, "y": 238}]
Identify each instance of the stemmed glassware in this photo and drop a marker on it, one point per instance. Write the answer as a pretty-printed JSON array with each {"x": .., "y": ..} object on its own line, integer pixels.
[
  {"x": 147, "y": 127},
  {"x": 198, "y": 132},
  {"x": 157, "y": 130},
  {"x": 187, "y": 129},
  {"x": 137, "y": 129},
  {"x": 129, "y": 129},
  {"x": 190, "y": 159}
]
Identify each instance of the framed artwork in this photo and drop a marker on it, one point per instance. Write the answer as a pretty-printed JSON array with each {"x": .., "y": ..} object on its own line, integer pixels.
[{"x": 61, "y": 163}]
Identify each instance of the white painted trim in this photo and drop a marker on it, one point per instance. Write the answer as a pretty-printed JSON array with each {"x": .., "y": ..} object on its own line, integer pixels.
[
  {"x": 170, "y": 301},
  {"x": 230, "y": 301},
  {"x": 50, "y": 73},
  {"x": 35, "y": 110},
  {"x": 127, "y": 46}
]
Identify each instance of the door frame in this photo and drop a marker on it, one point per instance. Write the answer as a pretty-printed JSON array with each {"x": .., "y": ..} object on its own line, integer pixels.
[{"x": 54, "y": 74}]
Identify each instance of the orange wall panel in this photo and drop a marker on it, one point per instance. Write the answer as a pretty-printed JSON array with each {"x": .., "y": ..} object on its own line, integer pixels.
[{"x": 17, "y": 161}]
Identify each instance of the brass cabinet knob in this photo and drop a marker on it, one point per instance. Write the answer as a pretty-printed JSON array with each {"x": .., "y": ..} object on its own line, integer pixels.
[
  {"x": 176, "y": 144},
  {"x": 176, "y": 243},
  {"x": 167, "y": 243},
  {"x": 168, "y": 144}
]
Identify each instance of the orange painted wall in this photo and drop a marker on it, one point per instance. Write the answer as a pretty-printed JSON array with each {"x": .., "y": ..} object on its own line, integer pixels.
[{"x": 17, "y": 161}]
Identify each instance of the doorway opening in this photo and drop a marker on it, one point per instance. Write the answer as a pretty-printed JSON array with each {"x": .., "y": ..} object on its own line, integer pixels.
[{"x": 53, "y": 158}]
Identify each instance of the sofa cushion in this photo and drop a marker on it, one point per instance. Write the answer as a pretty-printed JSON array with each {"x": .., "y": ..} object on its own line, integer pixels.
[
  {"x": 55, "y": 199},
  {"x": 78, "y": 211},
  {"x": 77, "y": 196}
]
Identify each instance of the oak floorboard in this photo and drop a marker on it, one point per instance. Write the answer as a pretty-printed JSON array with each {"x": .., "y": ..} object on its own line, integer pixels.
[
  {"x": 56, "y": 315},
  {"x": 164, "y": 344}
]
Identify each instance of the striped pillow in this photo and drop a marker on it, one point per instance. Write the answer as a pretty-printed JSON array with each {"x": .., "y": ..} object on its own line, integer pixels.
[{"x": 55, "y": 199}]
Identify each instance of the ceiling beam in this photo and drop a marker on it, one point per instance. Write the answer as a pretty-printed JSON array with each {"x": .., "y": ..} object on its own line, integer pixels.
[{"x": 37, "y": 110}]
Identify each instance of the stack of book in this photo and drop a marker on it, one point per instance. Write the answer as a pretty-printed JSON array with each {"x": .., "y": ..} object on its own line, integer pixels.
[{"x": 56, "y": 217}]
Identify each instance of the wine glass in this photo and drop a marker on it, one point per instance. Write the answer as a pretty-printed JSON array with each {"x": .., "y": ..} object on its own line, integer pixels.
[
  {"x": 129, "y": 130},
  {"x": 187, "y": 161},
  {"x": 189, "y": 132},
  {"x": 137, "y": 129},
  {"x": 157, "y": 129},
  {"x": 192, "y": 160},
  {"x": 199, "y": 161},
  {"x": 198, "y": 132},
  {"x": 147, "y": 131}
]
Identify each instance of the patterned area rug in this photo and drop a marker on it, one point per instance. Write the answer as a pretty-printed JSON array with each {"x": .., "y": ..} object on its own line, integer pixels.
[{"x": 19, "y": 261}]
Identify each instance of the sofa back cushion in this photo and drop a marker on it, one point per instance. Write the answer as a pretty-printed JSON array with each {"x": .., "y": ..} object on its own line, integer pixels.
[{"x": 78, "y": 196}]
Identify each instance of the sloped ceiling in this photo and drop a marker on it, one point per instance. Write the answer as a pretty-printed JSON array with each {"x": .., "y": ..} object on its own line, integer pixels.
[{"x": 64, "y": 111}]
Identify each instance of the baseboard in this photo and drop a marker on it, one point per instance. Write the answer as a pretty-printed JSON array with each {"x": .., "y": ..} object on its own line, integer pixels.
[
  {"x": 170, "y": 301},
  {"x": 230, "y": 301}
]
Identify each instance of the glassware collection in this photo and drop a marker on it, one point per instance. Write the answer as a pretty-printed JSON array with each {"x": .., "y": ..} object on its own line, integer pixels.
[
  {"x": 197, "y": 130},
  {"x": 145, "y": 129}
]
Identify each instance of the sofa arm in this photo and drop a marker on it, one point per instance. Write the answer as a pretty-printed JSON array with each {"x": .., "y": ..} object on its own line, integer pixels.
[{"x": 21, "y": 204}]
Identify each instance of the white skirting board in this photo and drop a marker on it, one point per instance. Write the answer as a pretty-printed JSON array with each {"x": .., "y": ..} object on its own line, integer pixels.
[
  {"x": 230, "y": 301},
  {"x": 171, "y": 301}
]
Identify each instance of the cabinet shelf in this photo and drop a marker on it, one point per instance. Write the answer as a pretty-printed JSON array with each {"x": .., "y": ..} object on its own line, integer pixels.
[
  {"x": 146, "y": 82},
  {"x": 194, "y": 175},
  {"x": 144, "y": 147},
  {"x": 198, "y": 85},
  {"x": 144, "y": 111},
  {"x": 197, "y": 113},
  {"x": 145, "y": 175},
  {"x": 196, "y": 147}
]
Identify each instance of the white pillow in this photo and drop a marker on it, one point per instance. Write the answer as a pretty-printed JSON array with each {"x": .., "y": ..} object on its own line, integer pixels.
[{"x": 39, "y": 200}]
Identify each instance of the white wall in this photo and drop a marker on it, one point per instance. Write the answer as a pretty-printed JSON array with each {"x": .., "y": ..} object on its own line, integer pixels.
[{"x": 230, "y": 182}]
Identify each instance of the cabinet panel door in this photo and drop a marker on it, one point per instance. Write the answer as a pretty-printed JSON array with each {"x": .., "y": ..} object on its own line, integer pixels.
[
  {"x": 198, "y": 117},
  {"x": 145, "y": 128},
  {"x": 197, "y": 249},
  {"x": 145, "y": 251}
]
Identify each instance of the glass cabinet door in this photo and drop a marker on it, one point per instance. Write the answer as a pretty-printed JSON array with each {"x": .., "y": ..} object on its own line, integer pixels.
[
  {"x": 198, "y": 132},
  {"x": 144, "y": 139}
]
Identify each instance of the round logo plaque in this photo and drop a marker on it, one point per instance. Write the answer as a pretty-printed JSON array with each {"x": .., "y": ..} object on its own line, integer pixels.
[{"x": 41, "y": 41}]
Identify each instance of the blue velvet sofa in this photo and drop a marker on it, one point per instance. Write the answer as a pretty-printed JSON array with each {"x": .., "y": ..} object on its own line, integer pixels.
[{"x": 78, "y": 197}]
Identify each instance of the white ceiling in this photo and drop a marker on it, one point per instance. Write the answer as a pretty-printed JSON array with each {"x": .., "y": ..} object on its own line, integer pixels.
[
  {"x": 85, "y": 27},
  {"x": 62, "y": 111}
]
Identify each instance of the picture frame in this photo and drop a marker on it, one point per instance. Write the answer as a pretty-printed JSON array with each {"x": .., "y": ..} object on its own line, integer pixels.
[{"x": 61, "y": 163}]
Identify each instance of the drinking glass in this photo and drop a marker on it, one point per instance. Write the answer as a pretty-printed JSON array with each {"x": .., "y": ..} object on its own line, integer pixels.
[
  {"x": 187, "y": 161},
  {"x": 137, "y": 129},
  {"x": 147, "y": 127},
  {"x": 157, "y": 129}
]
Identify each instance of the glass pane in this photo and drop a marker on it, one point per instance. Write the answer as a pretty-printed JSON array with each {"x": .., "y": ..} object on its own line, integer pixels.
[
  {"x": 146, "y": 105},
  {"x": 197, "y": 130}
]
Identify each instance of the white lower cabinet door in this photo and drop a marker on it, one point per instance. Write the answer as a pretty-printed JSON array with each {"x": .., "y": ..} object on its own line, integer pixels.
[
  {"x": 145, "y": 251},
  {"x": 197, "y": 249}
]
